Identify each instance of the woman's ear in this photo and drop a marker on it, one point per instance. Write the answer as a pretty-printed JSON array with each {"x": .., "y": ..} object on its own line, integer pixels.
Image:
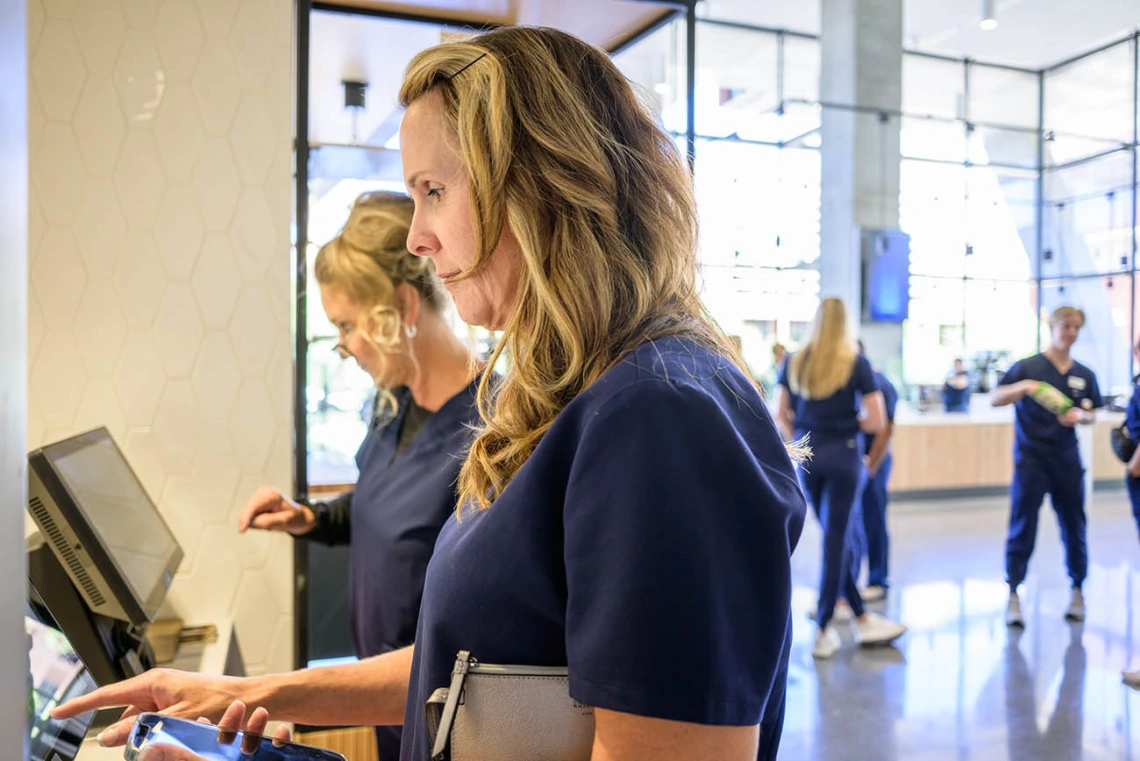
[{"x": 408, "y": 301}]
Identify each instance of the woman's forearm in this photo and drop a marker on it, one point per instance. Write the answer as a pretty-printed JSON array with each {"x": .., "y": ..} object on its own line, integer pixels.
[{"x": 370, "y": 692}]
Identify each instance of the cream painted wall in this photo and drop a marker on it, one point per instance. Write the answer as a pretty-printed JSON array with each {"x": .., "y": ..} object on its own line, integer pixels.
[{"x": 160, "y": 137}]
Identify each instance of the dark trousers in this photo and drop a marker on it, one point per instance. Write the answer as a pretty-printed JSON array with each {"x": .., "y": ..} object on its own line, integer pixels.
[
  {"x": 1134, "y": 497},
  {"x": 833, "y": 483},
  {"x": 878, "y": 543},
  {"x": 1063, "y": 481}
]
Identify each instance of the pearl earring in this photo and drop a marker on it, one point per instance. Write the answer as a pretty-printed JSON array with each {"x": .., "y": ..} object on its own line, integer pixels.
[{"x": 410, "y": 331}]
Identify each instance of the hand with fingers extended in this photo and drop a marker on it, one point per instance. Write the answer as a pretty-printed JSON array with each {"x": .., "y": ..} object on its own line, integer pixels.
[
  {"x": 269, "y": 510},
  {"x": 175, "y": 693},
  {"x": 230, "y": 724}
]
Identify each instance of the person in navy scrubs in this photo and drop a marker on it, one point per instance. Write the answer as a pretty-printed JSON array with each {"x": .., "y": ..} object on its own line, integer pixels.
[
  {"x": 824, "y": 388},
  {"x": 875, "y": 539},
  {"x": 1132, "y": 473},
  {"x": 1045, "y": 455},
  {"x": 389, "y": 309},
  {"x": 956, "y": 389},
  {"x": 628, "y": 508}
]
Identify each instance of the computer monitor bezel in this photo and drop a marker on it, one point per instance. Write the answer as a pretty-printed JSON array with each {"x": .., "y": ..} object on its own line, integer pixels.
[{"x": 138, "y": 609}]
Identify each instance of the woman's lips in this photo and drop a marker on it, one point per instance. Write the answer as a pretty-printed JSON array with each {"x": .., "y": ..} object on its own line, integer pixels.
[{"x": 446, "y": 276}]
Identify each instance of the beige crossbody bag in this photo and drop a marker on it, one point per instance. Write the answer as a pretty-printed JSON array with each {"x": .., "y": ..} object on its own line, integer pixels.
[{"x": 508, "y": 713}]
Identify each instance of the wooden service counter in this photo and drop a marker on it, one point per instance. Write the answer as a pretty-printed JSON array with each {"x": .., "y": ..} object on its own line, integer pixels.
[{"x": 937, "y": 453}]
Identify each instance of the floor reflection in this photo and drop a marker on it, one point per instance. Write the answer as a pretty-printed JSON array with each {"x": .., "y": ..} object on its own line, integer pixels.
[{"x": 960, "y": 685}]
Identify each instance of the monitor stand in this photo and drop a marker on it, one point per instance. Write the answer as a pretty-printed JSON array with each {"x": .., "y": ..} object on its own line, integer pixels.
[{"x": 112, "y": 650}]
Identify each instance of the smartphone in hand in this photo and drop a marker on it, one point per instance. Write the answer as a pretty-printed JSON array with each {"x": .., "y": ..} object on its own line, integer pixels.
[{"x": 215, "y": 744}]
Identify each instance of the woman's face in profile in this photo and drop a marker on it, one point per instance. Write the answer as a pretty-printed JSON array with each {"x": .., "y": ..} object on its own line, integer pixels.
[{"x": 442, "y": 227}]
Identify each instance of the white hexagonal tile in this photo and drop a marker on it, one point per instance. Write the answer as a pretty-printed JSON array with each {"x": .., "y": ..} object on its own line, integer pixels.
[
  {"x": 139, "y": 279},
  {"x": 58, "y": 71},
  {"x": 254, "y": 138},
  {"x": 178, "y": 426},
  {"x": 254, "y": 42},
  {"x": 99, "y": 126},
  {"x": 280, "y": 569},
  {"x": 37, "y": 18},
  {"x": 178, "y": 330},
  {"x": 101, "y": 28},
  {"x": 216, "y": 281},
  {"x": 179, "y": 508},
  {"x": 100, "y": 229},
  {"x": 216, "y": 184},
  {"x": 100, "y": 328},
  {"x": 37, "y": 121},
  {"x": 100, "y": 407},
  {"x": 215, "y": 86},
  {"x": 37, "y": 432},
  {"x": 256, "y": 335},
  {"x": 58, "y": 378},
  {"x": 280, "y": 461},
  {"x": 252, "y": 424},
  {"x": 279, "y": 287},
  {"x": 216, "y": 378},
  {"x": 278, "y": 188},
  {"x": 217, "y": 16},
  {"x": 178, "y": 132},
  {"x": 284, "y": 25},
  {"x": 36, "y": 327},
  {"x": 58, "y": 277},
  {"x": 139, "y": 179},
  {"x": 280, "y": 377},
  {"x": 141, "y": 14},
  {"x": 178, "y": 231},
  {"x": 216, "y": 474},
  {"x": 37, "y": 224},
  {"x": 54, "y": 175},
  {"x": 139, "y": 378},
  {"x": 256, "y": 236},
  {"x": 206, "y": 594},
  {"x": 139, "y": 78},
  {"x": 178, "y": 33},
  {"x": 280, "y": 656},
  {"x": 60, "y": 9},
  {"x": 253, "y": 626}
]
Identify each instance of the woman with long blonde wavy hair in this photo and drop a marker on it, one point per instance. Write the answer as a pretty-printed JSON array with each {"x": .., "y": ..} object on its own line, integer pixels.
[
  {"x": 628, "y": 509},
  {"x": 828, "y": 397}
]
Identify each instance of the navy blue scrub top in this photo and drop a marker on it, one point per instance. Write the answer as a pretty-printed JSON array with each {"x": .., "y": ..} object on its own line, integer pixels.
[
  {"x": 837, "y": 416},
  {"x": 1132, "y": 414},
  {"x": 890, "y": 400},
  {"x": 1037, "y": 433},
  {"x": 400, "y": 502},
  {"x": 955, "y": 399},
  {"x": 645, "y": 544}
]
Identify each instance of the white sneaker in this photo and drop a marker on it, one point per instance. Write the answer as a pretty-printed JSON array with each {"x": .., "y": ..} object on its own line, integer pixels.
[
  {"x": 873, "y": 629},
  {"x": 874, "y": 593},
  {"x": 1076, "y": 611},
  {"x": 841, "y": 615},
  {"x": 1132, "y": 679},
  {"x": 826, "y": 643},
  {"x": 1013, "y": 611}
]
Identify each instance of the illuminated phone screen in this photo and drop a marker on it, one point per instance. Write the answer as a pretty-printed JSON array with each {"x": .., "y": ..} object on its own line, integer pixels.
[{"x": 213, "y": 744}]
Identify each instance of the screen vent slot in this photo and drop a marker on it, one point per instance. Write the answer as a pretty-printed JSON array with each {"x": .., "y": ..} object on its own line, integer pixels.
[{"x": 43, "y": 517}]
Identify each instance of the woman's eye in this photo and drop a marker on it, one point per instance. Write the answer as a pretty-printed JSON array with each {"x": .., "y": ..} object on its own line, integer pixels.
[{"x": 435, "y": 192}]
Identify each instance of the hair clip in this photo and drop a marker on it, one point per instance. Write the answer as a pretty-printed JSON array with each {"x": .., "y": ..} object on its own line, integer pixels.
[{"x": 465, "y": 67}]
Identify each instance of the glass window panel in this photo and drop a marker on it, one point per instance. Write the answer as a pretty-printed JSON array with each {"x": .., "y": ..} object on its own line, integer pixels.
[
  {"x": 935, "y": 140},
  {"x": 999, "y": 224},
  {"x": 932, "y": 211},
  {"x": 1000, "y": 319},
  {"x": 1062, "y": 148},
  {"x": 1087, "y": 217},
  {"x": 1104, "y": 344},
  {"x": 736, "y": 79},
  {"x": 932, "y": 87},
  {"x": 1010, "y": 147},
  {"x": 656, "y": 65},
  {"x": 801, "y": 68},
  {"x": 1092, "y": 97},
  {"x": 1003, "y": 97}
]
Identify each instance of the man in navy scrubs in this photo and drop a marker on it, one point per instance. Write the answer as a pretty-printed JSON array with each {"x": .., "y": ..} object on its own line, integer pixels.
[
  {"x": 1052, "y": 394},
  {"x": 875, "y": 540}
]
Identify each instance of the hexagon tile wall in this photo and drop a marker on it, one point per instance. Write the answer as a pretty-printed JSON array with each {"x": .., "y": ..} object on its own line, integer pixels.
[{"x": 161, "y": 151}]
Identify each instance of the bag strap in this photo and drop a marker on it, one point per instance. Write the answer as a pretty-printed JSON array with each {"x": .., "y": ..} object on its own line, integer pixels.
[{"x": 447, "y": 718}]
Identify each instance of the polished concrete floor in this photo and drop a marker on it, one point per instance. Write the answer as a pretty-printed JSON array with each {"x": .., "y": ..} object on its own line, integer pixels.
[{"x": 959, "y": 685}]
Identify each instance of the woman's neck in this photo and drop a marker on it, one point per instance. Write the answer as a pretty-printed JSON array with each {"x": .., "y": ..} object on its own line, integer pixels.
[
  {"x": 1058, "y": 356},
  {"x": 446, "y": 367}
]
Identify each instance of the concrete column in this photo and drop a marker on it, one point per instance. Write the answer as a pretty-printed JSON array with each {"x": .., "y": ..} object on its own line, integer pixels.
[
  {"x": 13, "y": 377},
  {"x": 861, "y": 72}
]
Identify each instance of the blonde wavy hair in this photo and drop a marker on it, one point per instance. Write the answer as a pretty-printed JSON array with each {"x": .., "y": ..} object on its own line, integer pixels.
[
  {"x": 824, "y": 365},
  {"x": 1060, "y": 314},
  {"x": 369, "y": 259},
  {"x": 558, "y": 147}
]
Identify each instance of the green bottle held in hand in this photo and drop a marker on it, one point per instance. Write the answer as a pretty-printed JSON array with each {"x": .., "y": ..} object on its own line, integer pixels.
[{"x": 1052, "y": 399}]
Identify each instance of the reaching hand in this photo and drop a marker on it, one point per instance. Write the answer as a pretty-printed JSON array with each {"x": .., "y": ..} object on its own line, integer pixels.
[
  {"x": 232, "y": 722},
  {"x": 175, "y": 693},
  {"x": 268, "y": 510},
  {"x": 1072, "y": 418}
]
